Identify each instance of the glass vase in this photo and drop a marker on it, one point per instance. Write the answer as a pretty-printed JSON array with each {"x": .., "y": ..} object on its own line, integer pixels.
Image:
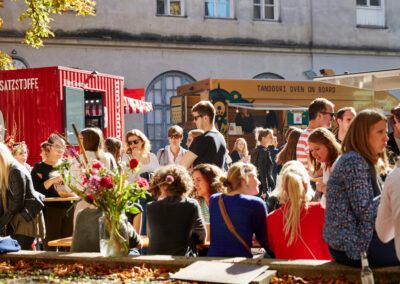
[{"x": 114, "y": 236}]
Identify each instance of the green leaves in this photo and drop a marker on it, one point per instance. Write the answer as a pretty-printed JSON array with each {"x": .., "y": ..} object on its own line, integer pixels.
[
  {"x": 40, "y": 15},
  {"x": 6, "y": 61}
]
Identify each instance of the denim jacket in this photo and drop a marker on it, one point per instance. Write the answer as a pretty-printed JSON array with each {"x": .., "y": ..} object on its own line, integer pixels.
[{"x": 351, "y": 208}]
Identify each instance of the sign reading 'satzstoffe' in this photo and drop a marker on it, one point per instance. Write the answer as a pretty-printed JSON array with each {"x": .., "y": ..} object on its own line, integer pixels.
[
  {"x": 34, "y": 101},
  {"x": 19, "y": 84}
]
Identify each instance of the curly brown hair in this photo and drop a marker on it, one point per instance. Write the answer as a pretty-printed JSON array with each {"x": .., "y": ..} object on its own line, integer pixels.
[
  {"x": 212, "y": 174},
  {"x": 181, "y": 183}
]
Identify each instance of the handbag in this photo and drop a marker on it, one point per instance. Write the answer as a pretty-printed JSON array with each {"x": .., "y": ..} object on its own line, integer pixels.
[{"x": 229, "y": 224}]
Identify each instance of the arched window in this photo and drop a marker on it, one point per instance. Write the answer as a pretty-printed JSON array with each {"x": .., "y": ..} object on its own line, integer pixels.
[
  {"x": 268, "y": 75},
  {"x": 159, "y": 92}
]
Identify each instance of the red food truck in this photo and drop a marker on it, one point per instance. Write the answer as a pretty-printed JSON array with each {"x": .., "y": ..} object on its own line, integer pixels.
[{"x": 39, "y": 101}]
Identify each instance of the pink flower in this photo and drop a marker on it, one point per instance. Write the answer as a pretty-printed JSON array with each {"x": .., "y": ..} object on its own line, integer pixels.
[
  {"x": 169, "y": 179},
  {"x": 97, "y": 165},
  {"x": 133, "y": 163},
  {"x": 142, "y": 182},
  {"x": 94, "y": 181},
  {"x": 106, "y": 182}
]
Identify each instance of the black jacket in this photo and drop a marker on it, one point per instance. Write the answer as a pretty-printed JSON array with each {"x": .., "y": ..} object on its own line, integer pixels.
[
  {"x": 21, "y": 197},
  {"x": 393, "y": 150},
  {"x": 261, "y": 159}
]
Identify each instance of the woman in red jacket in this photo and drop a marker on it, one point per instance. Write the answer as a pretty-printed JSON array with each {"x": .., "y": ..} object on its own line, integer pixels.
[{"x": 295, "y": 229}]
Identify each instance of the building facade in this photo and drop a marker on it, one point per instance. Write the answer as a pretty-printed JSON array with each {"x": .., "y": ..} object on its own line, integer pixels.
[{"x": 161, "y": 44}]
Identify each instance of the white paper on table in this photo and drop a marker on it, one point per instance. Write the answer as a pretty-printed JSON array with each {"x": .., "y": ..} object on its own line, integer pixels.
[{"x": 220, "y": 272}]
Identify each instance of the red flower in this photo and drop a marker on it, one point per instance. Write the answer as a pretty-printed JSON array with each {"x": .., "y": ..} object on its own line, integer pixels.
[
  {"x": 84, "y": 179},
  {"x": 142, "y": 182},
  {"x": 133, "y": 163},
  {"x": 106, "y": 182},
  {"x": 97, "y": 165},
  {"x": 90, "y": 198}
]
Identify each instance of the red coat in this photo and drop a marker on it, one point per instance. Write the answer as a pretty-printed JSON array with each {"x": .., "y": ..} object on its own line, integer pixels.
[{"x": 311, "y": 228}]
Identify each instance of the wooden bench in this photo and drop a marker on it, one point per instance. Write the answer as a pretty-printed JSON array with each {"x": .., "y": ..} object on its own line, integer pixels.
[{"x": 67, "y": 242}]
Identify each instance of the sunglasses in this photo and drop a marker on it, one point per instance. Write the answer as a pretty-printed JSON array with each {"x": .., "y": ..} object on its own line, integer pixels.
[
  {"x": 134, "y": 142},
  {"x": 332, "y": 114},
  {"x": 175, "y": 136},
  {"x": 195, "y": 117},
  {"x": 58, "y": 148}
]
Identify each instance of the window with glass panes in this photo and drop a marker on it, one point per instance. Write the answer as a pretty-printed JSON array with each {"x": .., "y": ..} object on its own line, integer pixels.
[
  {"x": 369, "y": 3},
  {"x": 219, "y": 8},
  {"x": 371, "y": 13},
  {"x": 170, "y": 7},
  {"x": 159, "y": 92},
  {"x": 265, "y": 9}
]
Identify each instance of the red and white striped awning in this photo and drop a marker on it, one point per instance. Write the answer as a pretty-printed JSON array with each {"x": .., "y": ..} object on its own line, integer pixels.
[
  {"x": 93, "y": 108},
  {"x": 137, "y": 106}
]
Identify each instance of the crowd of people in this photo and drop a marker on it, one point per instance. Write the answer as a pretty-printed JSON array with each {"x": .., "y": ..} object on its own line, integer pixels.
[{"x": 321, "y": 195}]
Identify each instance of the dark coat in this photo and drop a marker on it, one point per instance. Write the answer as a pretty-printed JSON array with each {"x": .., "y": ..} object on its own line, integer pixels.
[
  {"x": 392, "y": 149},
  {"x": 261, "y": 159},
  {"x": 21, "y": 197}
]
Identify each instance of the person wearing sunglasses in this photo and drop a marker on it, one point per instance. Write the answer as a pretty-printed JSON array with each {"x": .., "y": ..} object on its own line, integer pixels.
[
  {"x": 210, "y": 147},
  {"x": 320, "y": 114},
  {"x": 138, "y": 146},
  {"x": 172, "y": 153}
]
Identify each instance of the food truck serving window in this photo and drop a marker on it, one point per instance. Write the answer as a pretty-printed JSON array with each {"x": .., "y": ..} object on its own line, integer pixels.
[{"x": 74, "y": 112}]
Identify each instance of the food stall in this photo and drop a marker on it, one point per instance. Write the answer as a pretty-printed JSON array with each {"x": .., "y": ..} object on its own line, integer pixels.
[
  {"x": 39, "y": 101},
  {"x": 273, "y": 103}
]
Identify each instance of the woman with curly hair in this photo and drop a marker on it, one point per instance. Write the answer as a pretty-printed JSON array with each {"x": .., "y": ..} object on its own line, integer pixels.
[
  {"x": 174, "y": 221},
  {"x": 206, "y": 179},
  {"x": 246, "y": 212}
]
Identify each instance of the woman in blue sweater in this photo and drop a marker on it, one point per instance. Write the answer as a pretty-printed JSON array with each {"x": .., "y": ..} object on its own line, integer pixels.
[
  {"x": 247, "y": 213},
  {"x": 353, "y": 192}
]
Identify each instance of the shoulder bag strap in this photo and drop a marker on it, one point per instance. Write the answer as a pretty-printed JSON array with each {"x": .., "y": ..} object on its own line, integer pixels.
[
  {"x": 229, "y": 224},
  {"x": 307, "y": 247}
]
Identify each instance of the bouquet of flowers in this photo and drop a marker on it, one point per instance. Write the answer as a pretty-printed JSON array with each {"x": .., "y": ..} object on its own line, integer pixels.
[{"x": 109, "y": 191}]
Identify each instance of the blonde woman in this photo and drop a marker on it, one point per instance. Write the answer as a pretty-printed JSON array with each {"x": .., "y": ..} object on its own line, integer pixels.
[
  {"x": 295, "y": 229},
  {"x": 138, "y": 146},
  {"x": 21, "y": 205},
  {"x": 240, "y": 151},
  {"x": 246, "y": 211}
]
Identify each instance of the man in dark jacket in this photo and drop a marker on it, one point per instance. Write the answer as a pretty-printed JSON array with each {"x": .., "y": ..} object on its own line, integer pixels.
[{"x": 393, "y": 145}]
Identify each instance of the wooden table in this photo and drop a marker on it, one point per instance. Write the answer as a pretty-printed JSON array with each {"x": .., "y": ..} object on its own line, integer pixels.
[
  {"x": 67, "y": 242},
  {"x": 59, "y": 199}
]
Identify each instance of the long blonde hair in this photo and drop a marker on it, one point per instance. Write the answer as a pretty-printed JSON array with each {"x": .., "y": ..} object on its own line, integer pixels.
[
  {"x": 293, "y": 189},
  {"x": 146, "y": 142},
  {"x": 245, "y": 151},
  {"x": 6, "y": 162}
]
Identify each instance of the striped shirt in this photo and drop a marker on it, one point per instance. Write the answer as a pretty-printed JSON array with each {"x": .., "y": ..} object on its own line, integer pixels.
[{"x": 302, "y": 147}]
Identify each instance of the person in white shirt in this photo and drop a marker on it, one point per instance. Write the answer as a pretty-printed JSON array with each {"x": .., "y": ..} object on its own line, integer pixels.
[
  {"x": 172, "y": 153},
  {"x": 387, "y": 224}
]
